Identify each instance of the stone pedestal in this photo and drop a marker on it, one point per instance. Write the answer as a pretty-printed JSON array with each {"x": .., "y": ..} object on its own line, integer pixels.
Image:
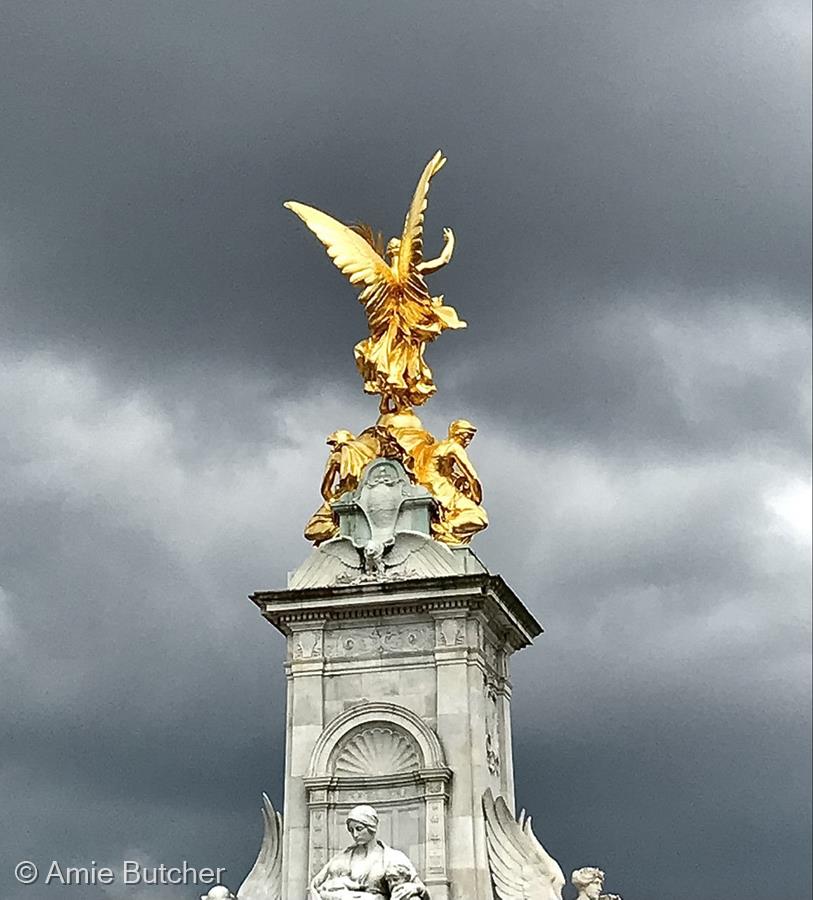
[{"x": 398, "y": 696}]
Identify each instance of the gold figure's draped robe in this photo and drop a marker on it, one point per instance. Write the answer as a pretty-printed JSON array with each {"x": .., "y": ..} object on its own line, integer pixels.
[
  {"x": 446, "y": 472},
  {"x": 442, "y": 467},
  {"x": 348, "y": 457}
]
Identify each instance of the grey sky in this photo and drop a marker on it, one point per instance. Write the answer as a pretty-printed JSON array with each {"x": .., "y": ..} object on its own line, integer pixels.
[{"x": 629, "y": 185}]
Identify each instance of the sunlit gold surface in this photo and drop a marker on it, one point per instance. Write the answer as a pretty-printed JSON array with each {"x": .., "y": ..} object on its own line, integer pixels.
[
  {"x": 348, "y": 457},
  {"x": 442, "y": 467},
  {"x": 403, "y": 317}
]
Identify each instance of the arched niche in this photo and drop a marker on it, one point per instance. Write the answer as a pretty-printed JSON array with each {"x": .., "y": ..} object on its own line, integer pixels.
[{"x": 384, "y": 755}]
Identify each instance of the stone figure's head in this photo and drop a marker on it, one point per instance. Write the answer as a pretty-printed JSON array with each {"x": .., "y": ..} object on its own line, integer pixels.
[
  {"x": 337, "y": 438},
  {"x": 399, "y": 874},
  {"x": 589, "y": 881},
  {"x": 218, "y": 892},
  {"x": 462, "y": 431},
  {"x": 362, "y": 823}
]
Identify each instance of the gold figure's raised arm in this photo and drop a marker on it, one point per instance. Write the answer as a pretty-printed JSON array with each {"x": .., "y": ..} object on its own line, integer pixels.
[
  {"x": 350, "y": 252},
  {"x": 432, "y": 265},
  {"x": 410, "y": 252}
]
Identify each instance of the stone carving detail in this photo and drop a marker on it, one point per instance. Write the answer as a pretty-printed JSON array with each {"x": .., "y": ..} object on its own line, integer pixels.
[
  {"x": 384, "y": 795},
  {"x": 307, "y": 645},
  {"x": 451, "y": 633},
  {"x": 380, "y": 495},
  {"x": 381, "y": 574},
  {"x": 379, "y": 640},
  {"x": 376, "y": 750},
  {"x": 589, "y": 882},
  {"x": 492, "y": 742},
  {"x": 318, "y": 838},
  {"x": 368, "y": 870},
  {"x": 520, "y": 865},
  {"x": 490, "y": 654},
  {"x": 265, "y": 878},
  {"x": 383, "y": 535},
  {"x": 492, "y": 756},
  {"x": 384, "y": 504},
  {"x": 382, "y": 753},
  {"x": 436, "y": 837}
]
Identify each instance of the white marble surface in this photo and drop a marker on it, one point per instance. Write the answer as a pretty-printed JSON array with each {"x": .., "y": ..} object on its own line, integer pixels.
[{"x": 398, "y": 695}]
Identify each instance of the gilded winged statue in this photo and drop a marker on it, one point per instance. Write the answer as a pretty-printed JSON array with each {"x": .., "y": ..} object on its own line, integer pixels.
[
  {"x": 402, "y": 315},
  {"x": 348, "y": 458},
  {"x": 403, "y": 318}
]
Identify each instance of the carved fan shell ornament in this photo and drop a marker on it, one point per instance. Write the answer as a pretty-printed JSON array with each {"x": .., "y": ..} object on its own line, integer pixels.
[{"x": 376, "y": 751}]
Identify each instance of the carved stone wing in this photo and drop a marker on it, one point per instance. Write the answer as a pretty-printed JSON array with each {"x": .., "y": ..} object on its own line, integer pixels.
[
  {"x": 342, "y": 550},
  {"x": 521, "y": 869},
  {"x": 411, "y": 251},
  {"x": 264, "y": 881},
  {"x": 553, "y": 869},
  {"x": 349, "y": 251},
  {"x": 406, "y": 544}
]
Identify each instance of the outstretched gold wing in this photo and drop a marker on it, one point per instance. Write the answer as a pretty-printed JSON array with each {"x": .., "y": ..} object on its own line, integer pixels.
[
  {"x": 350, "y": 252},
  {"x": 411, "y": 250}
]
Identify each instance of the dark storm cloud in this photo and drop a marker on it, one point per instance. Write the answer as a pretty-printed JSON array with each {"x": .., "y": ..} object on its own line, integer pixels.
[
  {"x": 628, "y": 184},
  {"x": 151, "y": 147},
  {"x": 155, "y": 686},
  {"x": 703, "y": 382}
]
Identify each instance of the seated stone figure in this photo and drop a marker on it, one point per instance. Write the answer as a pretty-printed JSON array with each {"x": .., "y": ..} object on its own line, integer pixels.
[{"x": 369, "y": 870}]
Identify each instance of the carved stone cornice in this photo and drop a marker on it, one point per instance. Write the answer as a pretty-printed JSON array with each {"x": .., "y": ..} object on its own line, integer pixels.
[
  {"x": 435, "y": 782},
  {"x": 482, "y": 594}
]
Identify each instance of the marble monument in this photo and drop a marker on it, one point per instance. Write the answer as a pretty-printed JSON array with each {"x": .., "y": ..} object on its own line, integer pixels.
[{"x": 399, "y": 777}]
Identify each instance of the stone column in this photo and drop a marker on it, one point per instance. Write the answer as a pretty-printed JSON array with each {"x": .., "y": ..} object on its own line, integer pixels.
[{"x": 305, "y": 722}]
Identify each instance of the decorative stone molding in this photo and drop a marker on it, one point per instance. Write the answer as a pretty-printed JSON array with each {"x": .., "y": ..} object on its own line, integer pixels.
[
  {"x": 431, "y": 752},
  {"x": 450, "y": 632},
  {"x": 382, "y": 639},
  {"x": 482, "y": 594},
  {"x": 307, "y": 645},
  {"x": 376, "y": 750},
  {"x": 383, "y": 754},
  {"x": 492, "y": 728}
]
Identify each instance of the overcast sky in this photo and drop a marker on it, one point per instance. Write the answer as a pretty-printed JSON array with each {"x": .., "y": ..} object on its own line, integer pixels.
[{"x": 629, "y": 185}]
